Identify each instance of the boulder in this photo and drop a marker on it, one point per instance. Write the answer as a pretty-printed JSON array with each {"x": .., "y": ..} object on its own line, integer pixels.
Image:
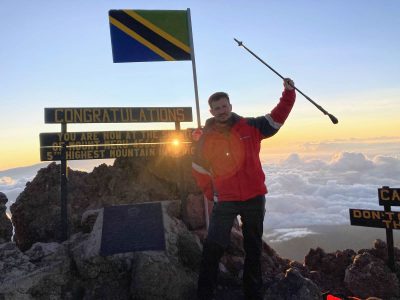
[
  {"x": 43, "y": 272},
  {"x": 36, "y": 212},
  {"x": 6, "y": 228},
  {"x": 327, "y": 270},
  {"x": 99, "y": 277},
  {"x": 76, "y": 270},
  {"x": 193, "y": 211},
  {"x": 127, "y": 275},
  {"x": 158, "y": 276},
  {"x": 89, "y": 218},
  {"x": 369, "y": 276},
  {"x": 293, "y": 286}
]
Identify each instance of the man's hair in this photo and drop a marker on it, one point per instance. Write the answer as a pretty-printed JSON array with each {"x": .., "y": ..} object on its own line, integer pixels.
[{"x": 216, "y": 96}]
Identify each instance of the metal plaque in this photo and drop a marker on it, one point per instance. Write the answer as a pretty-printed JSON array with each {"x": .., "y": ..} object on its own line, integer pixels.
[{"x": 129, "y": 228}]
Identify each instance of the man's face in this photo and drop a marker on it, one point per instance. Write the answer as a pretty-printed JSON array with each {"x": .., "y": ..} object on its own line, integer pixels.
[{"x": 221, "y": 110}]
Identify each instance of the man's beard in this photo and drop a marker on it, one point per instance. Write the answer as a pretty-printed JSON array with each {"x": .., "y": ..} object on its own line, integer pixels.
[{"x": 225, "y": 121}]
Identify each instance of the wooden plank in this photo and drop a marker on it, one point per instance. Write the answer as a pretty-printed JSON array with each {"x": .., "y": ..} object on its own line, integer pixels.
[
  {"x": 81, "y": 152},
  {"x": 375, "y": 218},
  {"x": 117, "y": 114},
  {"x": 389, "y": 196},
  {"x": 55, "y": 139}
]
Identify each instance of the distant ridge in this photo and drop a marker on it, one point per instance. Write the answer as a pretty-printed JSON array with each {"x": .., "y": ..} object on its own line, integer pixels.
[
  {"x": 32, "y": 169},
  {"x": 86, "y": 165}
]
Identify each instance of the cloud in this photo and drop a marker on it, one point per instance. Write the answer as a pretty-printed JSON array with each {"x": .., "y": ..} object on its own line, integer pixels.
[
  {"x": 317, "y": 192},
  {"x": 12, "y": 187},
  {"x": 285, "y": 234},
  {"x": 369, "y": 146},
  {"x": 13, "y": 181},
  {"x": 5, "y": 180},
  {"x": 302, "y": 192}
]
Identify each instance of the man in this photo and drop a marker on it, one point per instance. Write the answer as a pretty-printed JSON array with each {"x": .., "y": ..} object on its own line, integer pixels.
[{"x": 227, "y": 168}]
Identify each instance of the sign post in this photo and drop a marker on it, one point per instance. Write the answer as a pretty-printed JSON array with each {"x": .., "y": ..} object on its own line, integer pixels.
[
  {"x": 387, "y": 218},
  {"x": 64, "y": 188},
  {"x": 63, "y": 146},
  {"x": 389, "y": 242}
]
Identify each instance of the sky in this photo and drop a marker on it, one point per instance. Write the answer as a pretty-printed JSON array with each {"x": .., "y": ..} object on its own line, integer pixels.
[{"x": 343, "y": 54}]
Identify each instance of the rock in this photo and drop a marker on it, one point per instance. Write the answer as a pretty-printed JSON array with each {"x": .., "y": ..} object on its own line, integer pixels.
[
  {"x": 369, "y": 276},
  {"x": 193, "y": 211},
  {"x": 328, "y": 269},
  {"x": 37, "y": 266},
  {"x": 189, "y": 250},
  {"x": 127, "y": 275},
  {"x": 272, "y": 264},
  {"x": 379, "y": 250},
  {"x": 44, "y": 252},
  {"x": 175, "y": 273},
  {"x": 99, "y": 277},
  {"x": 302, "y": 268},
  {"x": 13, "y": 264},
  {"x": 157, "y": 276},
  {"x": 75, "y": 269},
  {"x": 42, "y": 273},
  {"x": 36, "y": 212},
  {"x": 89, "y": 217},
  {"x": 6, "y": 228},
  {"x": 293, "y": 286}
]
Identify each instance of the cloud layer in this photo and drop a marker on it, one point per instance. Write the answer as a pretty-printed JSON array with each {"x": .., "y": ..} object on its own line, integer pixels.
[
  {"x": 302, "y": 192},
  {"x": 315, "y": 192}
]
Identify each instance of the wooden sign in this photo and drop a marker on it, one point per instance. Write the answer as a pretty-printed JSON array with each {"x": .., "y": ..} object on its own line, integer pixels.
[
  {"x": 387, "y": 219},
  {"x": 64, "y": 146},
  {"x": 375, "y": 218},
  {"x": 58, "y": 139},
  {"x": 389, "y": 196},
  {"x": 115, "y": 144},
  {"x": 80, "y": 152},
  {"x": 117, "y": 114}
]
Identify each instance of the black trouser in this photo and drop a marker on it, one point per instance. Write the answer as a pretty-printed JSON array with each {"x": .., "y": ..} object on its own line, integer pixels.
[{"x": 252, "y": 214}]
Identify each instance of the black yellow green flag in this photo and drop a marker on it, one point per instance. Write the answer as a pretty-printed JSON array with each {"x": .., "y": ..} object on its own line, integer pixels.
[{"x": 150, "y": 35}]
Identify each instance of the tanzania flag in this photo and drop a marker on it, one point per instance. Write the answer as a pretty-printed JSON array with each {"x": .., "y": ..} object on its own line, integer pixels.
[{"x": 149, "y": 35}]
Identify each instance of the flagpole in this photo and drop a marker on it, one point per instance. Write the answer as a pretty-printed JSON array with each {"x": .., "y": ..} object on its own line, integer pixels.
[{"x": 196, "y": 93}]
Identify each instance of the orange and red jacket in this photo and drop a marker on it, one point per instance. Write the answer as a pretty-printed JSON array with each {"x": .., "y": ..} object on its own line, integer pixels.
[{"x": 227, "y": 165}]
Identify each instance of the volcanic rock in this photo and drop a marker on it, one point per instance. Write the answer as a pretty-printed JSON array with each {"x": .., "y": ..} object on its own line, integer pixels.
[
  {"x": 6, "y": 228},
  {"x": 36, "y": 212},
  {"x": 193, "y": 211},
  {"x": 328, "y": 269},
  {"x": 45, "y": 270},
  {"x": 293, "y": 286},
  {"x": 39, "y": 266},
  {"x": 369, "y": 276}
]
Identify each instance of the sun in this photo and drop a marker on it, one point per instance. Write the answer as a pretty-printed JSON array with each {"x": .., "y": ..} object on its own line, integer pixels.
[{"x": 175, "y": 142}]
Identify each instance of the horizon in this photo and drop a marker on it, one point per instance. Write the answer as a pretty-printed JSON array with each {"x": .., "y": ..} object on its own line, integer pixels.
[
  {"x": 333, "y": 51},
  {"x": 320, "y": 190}
]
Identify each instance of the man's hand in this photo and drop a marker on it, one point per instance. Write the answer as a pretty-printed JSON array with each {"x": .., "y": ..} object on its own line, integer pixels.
[
  {"x": 196, "y": 134},
  {"x": 288, "y": 84}
]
